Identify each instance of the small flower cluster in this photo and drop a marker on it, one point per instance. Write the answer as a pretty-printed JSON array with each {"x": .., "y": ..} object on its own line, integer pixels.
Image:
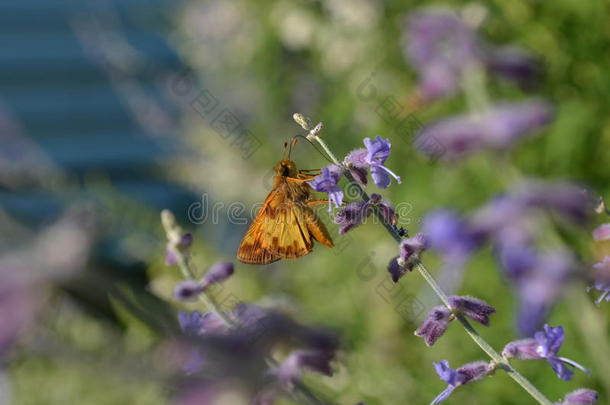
[
  {"x": 357, "y": 162},
  {"x": 178, "y": 241}
]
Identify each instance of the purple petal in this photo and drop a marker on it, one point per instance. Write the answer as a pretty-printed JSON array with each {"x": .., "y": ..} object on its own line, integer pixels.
[
  {"x": 549, "y": 340},
  {"x": 560, "y": 369},
  {"x": 473, "y": 308},
  {"x": 218, "y": 273},
  {"x": 435, "y": 325},
  {"x": 581, "y": 396},
  {"x": 378, "y": 150},
  {"x": 524, "y": 349},
  {"x": 187, "y": 290}
]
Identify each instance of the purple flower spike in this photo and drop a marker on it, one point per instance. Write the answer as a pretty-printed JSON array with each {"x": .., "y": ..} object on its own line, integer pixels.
[
  {"x": 435, "y": 325},
  {"x": 410, "y": 250},
  {"x": 498, "y": 129},
  {"x": 187, "y": 290},
  {"x": 455, "y": 377},
  {"x": 352, "y": 215},
  {"x": 378, "y": 151},
  {"x": 218, "y": 273},
  {"x": 327, "y": 182},
  {"x": 449, "y": 234},
  {"x": 474, "y": 308},
  {"x": 440, "y": 46},
  {"x": 602, "y": 233},
  {"x": 582, "y": 396},
  {"x": 544, "y": 345}
]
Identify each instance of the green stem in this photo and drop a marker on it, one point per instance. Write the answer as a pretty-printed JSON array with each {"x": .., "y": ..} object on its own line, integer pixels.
[{"x": 474, "y": 335}]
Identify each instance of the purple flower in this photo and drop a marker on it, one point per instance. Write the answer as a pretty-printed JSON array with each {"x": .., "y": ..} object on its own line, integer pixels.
[
  {"x": 455, "y": 377},
  {"x": 195, "y": 324},
  {"x": 544, "y": 345},
  {"x": 449, "y": 234},
  {"x": 374, "y": 156},
  {"x": 218, "y": 273},
  {"x": 315, "y": 360},
  {"x": 177, "y": 244},
  {"x": 353, "y": 215},
  {"x": 602, "y": 232},
  {"x": 187, "y": 290},
  {"x": 497, "y": 129},
  {"x": 602, "y": 280},
  {"x": 570, "y": 201},
  {"x": 327, "y": 182},
  {"x": 514, "y": 64},
  {"x": 581, "y": 396},
  {"x": 474, "y": 308},
  {"x": 440, "y": 47},
  {"x": 385, "y": 208},
  {"x": 435, "y": 325},
  {"x": 378, "y": 151},
  {"x": 410, "y": 250},
  {"x": 539, "y": 288}
]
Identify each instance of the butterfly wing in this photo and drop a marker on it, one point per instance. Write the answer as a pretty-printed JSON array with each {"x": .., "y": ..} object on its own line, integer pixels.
[{"x": 279, "y": 231}]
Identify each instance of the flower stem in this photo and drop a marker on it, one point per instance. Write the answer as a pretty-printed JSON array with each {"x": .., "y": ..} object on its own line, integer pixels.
[{"x": 474, "y": 335}]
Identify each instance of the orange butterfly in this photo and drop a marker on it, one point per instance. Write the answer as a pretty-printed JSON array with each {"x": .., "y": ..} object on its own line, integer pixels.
[{"x": 286, "y": 225}]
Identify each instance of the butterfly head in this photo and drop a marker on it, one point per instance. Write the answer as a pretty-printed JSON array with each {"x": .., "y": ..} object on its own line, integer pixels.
[{"x": 286, "y": 168}]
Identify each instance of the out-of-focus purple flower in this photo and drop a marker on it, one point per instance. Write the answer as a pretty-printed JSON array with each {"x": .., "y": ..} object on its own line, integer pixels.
[
  {"x": 455, "y": 377},
  {"x": 374, "y": 155},
  {"x": 539, "y": 288},
  {"x": 602, "y": 233},
  {"x": 196, "y": 324},
  {"x": 449, "y": 234},
  {"x": 218, "y": 273},
  {"x": 315, "y": 360},
  {"x": 327, "y": 182},
  {"x": 187, "y": 290},
  {"x": 544, "y": 345},
  {"x": 435, "y": 325},
  {"x": 581, "y": 396},
  {"x": 602, "y": 280},
  {"x": 568, "y": 200},
  {"x": 515, "y": 64},
  {"x": 498, "y": 128},
  {"x": 410, "y": 250},
  {"x": 440, "y": 46},
  {"x": 353, "y": 215},
  {"x": 474, "y": 308}
]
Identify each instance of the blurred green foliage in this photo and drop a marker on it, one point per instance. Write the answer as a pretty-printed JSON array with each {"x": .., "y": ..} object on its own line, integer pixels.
[{"x": 266, "y": 60}]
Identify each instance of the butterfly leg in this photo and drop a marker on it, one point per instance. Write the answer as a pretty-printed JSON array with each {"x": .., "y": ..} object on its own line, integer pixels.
[{"x": 316, "y": 202}]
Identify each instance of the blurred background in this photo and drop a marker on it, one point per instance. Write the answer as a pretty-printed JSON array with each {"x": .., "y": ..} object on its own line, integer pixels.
[{"x": 113, "y": 110}]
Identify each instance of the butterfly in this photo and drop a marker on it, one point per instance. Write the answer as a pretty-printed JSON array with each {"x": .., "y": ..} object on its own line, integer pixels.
[{"x": 286, "y": 225}]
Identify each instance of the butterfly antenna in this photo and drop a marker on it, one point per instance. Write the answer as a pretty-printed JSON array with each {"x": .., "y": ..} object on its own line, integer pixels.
[
  {"x": 285, "y": 148},
  {"x": 314, "y": 146},
  {"x": 293, "y": 142}
]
